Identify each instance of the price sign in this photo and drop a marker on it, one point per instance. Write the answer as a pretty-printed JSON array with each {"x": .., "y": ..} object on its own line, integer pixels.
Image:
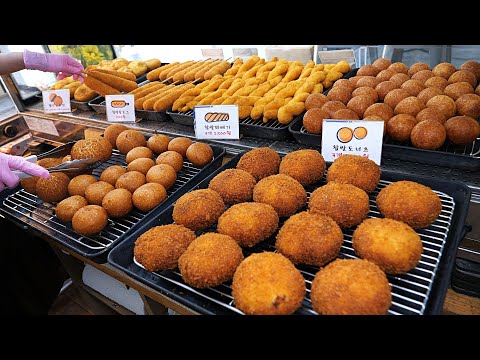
[
  {"x": 352, "y": 137},
  {"x": 216, "y": 122},
  {"x": 120, "y": 108},
  {"x": 56, "y": 101}
]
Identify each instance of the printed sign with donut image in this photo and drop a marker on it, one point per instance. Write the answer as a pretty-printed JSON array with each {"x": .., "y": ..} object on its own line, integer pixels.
[
  {"x": 215, "y": 116},
  {"x": 346, "y": 134},
  {"x": 55, "y": 99}
]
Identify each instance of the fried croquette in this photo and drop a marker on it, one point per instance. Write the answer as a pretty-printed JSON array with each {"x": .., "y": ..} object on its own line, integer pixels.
[
  {"x": 94, "y": 193},
  {"x": 331, "y": 107},
  {"x": 160, "y": 247},
  {"x": 158, "y": 143},
  {"x": 260, "y": 162},
  {"x": 393, "y": 245},
  {"x": 315, "y": 101},
  {"x": 283, "y": 192},
  {"x": 366, "y": 91},
  {"x": 351, "y": 287},
  {"x": 234, "y": 186},
  {"x": 413, "y": 203},
  {"x": 431, "y": 113},
  {"x": 437, "y": 82},
  {"x": 53, "y": 188},
  {"x": 428, "y": 134},
  {"x": 129, "y": 139},
  {"x": 90, "y": 220},
  {"x": 131, "y": 181},
  {"x": 148, "y": 196},
  {"x": 309, "y": 238},
  {"x": 198, "y": 209},
  {"x": 400, "y": 127},
  {"x": 180, "y": 145},
  {"x": 141, "y": 165},
  {"x": 199, "y": 154},
  {"x": 345, "y": 114},
  {"x": 305, "y": 166},
  {"x": 382, "y": 63},
  {"x": 112, "y": 173},
  {"x": 69, "y": 206},
  {"x": 210, "y": 260},
  {"x": 462, "y": 130},
  {"x": 313, "y": 120},
  {"x": 356, "y": 170},
  {"x": 248, "y": 223},
  {"x": 172, "y": 158},
  {"x": 79, "y": 183},
  {"x": 348, "y": 205},
  {"x": 138, "y": 153},
  {"x": 267, "y": 284},
  {"x": 428, "y": 93},
  {"x": 399, "y": 78},
  {"x": 118, "y": 203},
  {"x": 162, "y": 174}
]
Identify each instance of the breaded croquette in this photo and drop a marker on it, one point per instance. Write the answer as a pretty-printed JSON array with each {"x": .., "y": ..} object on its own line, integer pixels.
[
  {"x": 356, "y": 170},
  {"x": 234, "y": 186},
  {"x": 305, "y": 166},
  {"x": 260, "y": 162}
]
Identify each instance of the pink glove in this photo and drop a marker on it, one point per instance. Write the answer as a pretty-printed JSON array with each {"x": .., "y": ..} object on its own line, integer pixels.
[
  {"x": 10, "y": 162},
  {"x": 66, "y": 65}
]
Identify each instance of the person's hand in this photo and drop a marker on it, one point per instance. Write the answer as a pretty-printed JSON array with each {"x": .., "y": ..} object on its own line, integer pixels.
[
  {"x": 64, "y": 64},
  {"x": 10, "y": 162}
]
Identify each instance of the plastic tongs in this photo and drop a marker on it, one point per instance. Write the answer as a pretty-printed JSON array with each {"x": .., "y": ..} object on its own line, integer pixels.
[{"x": 72, "y": 166}]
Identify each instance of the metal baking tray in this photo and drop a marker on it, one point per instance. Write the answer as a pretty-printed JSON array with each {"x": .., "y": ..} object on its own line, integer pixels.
[
  {"x": 33, "y": 212},
  {"x": 421, "y": 291}
]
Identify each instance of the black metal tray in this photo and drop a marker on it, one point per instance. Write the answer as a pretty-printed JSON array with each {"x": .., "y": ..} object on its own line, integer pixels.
[
  {"x": 421, "y": 291},
  {"x": 29, "y": 210},
  {"x": 459, "y": 157}
]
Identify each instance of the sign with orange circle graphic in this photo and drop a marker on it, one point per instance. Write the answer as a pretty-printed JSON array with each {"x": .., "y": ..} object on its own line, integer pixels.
[{"x": 56, "y": 101}]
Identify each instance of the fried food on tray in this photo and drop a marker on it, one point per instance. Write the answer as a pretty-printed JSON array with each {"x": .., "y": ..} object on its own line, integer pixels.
[
  {"x": 172, "y": 158},
  {"x": 400, "y": 127},
  {"x": 428, "y": 134},
  {"x": 260, "y": 162},
  {"x": 99, "y": 87},
  {"x": 382, "y": 63},
  {"x": 285, "y": 194},
  {"x": 393, "y": 245},
  {"x": 180, "y": 145},
  {"x": 123, "y": 75},
  {"x": 444, "y": 70},
  {"x": 418, "y": 66},
  {"x": 395, "y": 96},
  {"x": 437, "y": 82},
  {"x": 137, "y": 153},
  {"x": 210, "y": 260},
  {"x": 410, "y": 105},
  {"x": 367, "y": 91},
  {"x": 443, "y": 103},
  {"x": 315, "y": 101},
  {"x": 309, "y": 238},
  {"x": 96, "y": 148},
  {"x": 399, "y": 78},
  {"x": 384, "y": 88},
  {"x": 158, "y": 143},
  {"x": 356, "y": 170},
  {"x": 305, "y": 166},
  {"x": 248, "y": 223},
  {"x": 112, "y": 173},
  {"x": 368, "y": 70},
  {"x": 345, "y": 114},
  {"x": 423, "y": 76},
  {"x": 381, "y": 110},
  {"x": 351, "y": 287},
  {"x": 154, "y": 74},
  {"x": 462, "y": 130},
  {"x": 199, "y": 154},
  {"x": 153, "y": 64},
  {"x": 458, "y": 89},
  {"x": 472, "y": 66},
  {"x": 118, "y": 203},
  {"x": 414, "y": 204},
  {"x": 385, "y": 75},
  {"x": 429, "y": 93},
  {"x": 398, "y": 67},
  {"x": 468, "y": 105},
  {"x": 129, "y": 139},
  {"x": 431, "y": 113},
  {"x": 313, "y": 120},
  {"x": 340, "y": 93},
  {"x": 83, "y": 93},
  {"x": 138, "y": 67},
  {"x": 90, "y": 220},
  {"x": 68, "y": 207},
  {"x": 233, "y": 185},
  {"x": 344, "y": 203},
  {"x": 53, "y": 189},
  {"x": 94, "y": 193},
  {"x": 131, "y": 181},
  {"x": 142, "y": 165},
  {"x": 160, "y": 247},
  {"x": 463, "y": 75},
  {"x": 198, "y": 209},
  {"x": 267, "y": 284},
  {"x": 112, "y": 131},
  {"x": 359, "y": 104},
  {"x": 148, "y": 196},
  {"x": 79, "y": 183},
  {"x": 163, "y": 174},
  {"x": 113, "y": 81}
]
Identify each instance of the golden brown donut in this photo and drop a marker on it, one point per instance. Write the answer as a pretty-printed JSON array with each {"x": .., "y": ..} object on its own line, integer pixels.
[
  {"x": 163, "y": 174},
  {"x": 369, "y": 81},
  {"x": 428, "y": 93},
  {"x": 172, "y": 158},
  {"x": 418, "y": 66},
  {"x": 68, "y": 207},
  {"x": 94, "y": 193},
  {"x": 410, "y": 105},
  {"x": 79, "y": 183},
  {"x": 469, "y": 105},
  {"x": 398, "y": 67},
  {"x": 53, "y": 189},
  {"x": 367, "y": 91},
  {"x": 139, "y": 152},
  {"x": 158, "y": 143},
  {"x": 313, "y": 120},
  {"x": 458, "y": 89},
  {"x": 382, "y": 64},
  {"x": 428, "y": 134},
  {"x": 443, "y": 103},
  {"x": 345, "y": 114},
  {"x": 129, "y": 139},
  {"x": 148, "y": 196},
  {"x": 331, "y": 107},
  {"x": 395, "y": 96},
  {"x": 384, "y": 88},
  {"x": 437, "y": 82},
  {"x": 368, "y": 70},
  {"x": 340, "y": 93},
  {"x": 142, "y": 165},
  {"x": 118, "y": 203},
  {"x": 400, "y": 127},
  {"x": 385, "y": 75},
  {"x": 112, "y": 173},
  {"x": 180, "y": 145},
  {"x": 381, "y": 110},
  {"x": 462, "y": 130},
  {"x": 413, "y": 87},
  {"x": 399, "y": 78},
  {"x": 423, "y": 76},
  {"x": 131, "y": 181},
  {"x": 463, "y": 76},
  {"x": 472, "y": 66},
  {"x": 431, "y": 113},
  {"x": 315, "y": 101},
  {"x": 96, "y": 148},
  {"x": 359, "y": 104},
  {"x": 199, "y": 154},
  {"x": 444, "y": 70},
  {"x": 112, "y": 131},
  {"x": 90, "y": 220}
]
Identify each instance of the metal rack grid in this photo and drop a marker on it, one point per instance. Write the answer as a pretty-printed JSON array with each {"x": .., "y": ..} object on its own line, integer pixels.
[
  {"x": 31, "y": 209},
  {"x": 410, "y": 292}
]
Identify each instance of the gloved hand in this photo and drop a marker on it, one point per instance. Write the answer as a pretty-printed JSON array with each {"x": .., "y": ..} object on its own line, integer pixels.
[
  {"x": 66, "y": 65},
  {"x": 10, "y": 162}
]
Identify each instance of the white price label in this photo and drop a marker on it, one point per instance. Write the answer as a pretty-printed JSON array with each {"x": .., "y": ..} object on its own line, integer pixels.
[
  {"x": 352, "y": 137},
  {"x": 120, "y": 108},
  {"x": 216, "y": 122},
  {"x": 214, "y": 53},
  {"x": 56, "y": 101}
]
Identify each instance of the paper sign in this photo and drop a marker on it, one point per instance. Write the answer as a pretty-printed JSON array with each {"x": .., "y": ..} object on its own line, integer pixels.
[
  {"x": 56, "y": 101},
  {"x": 244, "y": 53},
  {"x": 216, "y": 122},
  {"x": 120, "y": 108},
  {"x": 352, "y": 137},
  {"x": 41, "y": 125},
  {"x": 214, "y": 54},
  {"x": 334, "y": 56}
]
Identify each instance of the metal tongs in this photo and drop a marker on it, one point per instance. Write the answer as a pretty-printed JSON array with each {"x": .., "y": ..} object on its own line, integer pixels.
[{"x": 72, "y": 166}]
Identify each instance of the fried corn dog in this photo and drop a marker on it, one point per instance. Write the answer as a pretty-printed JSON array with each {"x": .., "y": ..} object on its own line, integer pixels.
[
  {"x": 227, "y": 83},
  {"x": 230, "y": 100},
  {"x": 154, "y": 74},
  {"x": 100, "y": 87},
  {"x": 259, "y": 106},
  {"x": 84, "y": 93},
  {"x": 139, "y": 102},
  {"x": 113, "y": 81},
  {"x": 236, "y": 85},
  {"x": 217, "y": 69},
  {"x": 190, "y": 105},
  {"x": 166, "y": 101},
  {"x": 181, "y": 102},
  {"x": 218, "y": 100},
  {"x": 269, "y": 66},
  {"x": 190, "y": 74},
  {"x": 261, "y": 89},
  {"x": 281, "y": 67},
  {"x": 293, "y": 72},
  {"x": 244, "y": 111},
  {"x": 247, "y": 65},
  {"x": 72, "y": 87},
  {"x": 200, "y": 74},
  {"x": 317, "y": 89},
  {"x": 288, "y": 111},
  {"x": 150, "y": 102},
  {"x": 164, "y": 70},
  {"x": 214, "y": 95},
  {"x": 124, "y": 75},
  {"x": 214, "y": 84},
  {"x": 252, "y": 72},
  {"x": 173, "y": 71},
  {"x": 144, "y": 87},
  {"x": 179, "y": 76},
  {"x": 149, "y": 90},
  {"x": 244, "y": 91},
  {"x": 246, "y": 100},
  {"x": 234, "y": 69}
]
